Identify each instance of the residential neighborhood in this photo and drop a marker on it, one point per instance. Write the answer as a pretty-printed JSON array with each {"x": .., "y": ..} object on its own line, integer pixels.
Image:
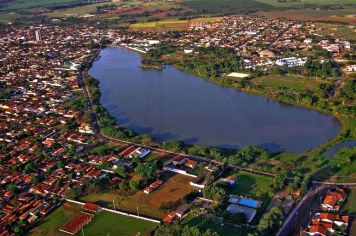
[{"x": 57, "y": 151}]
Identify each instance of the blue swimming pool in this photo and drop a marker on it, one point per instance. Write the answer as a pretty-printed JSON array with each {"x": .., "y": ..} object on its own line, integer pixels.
[{"x": 249, "y": 203}]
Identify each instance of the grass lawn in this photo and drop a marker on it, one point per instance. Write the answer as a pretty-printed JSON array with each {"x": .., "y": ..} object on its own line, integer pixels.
[
  {"x": 252, "y": 185},
  {"x": 106, "y": 223},
  {"x": 205, "y": 224},
  {"x": 291, "y": 82},
  {"x": 51, "y": 224},
  {"x": 350, "y": 206}
]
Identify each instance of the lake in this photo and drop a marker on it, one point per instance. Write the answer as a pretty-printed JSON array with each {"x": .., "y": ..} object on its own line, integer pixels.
[{"x": 171, "y": 104}]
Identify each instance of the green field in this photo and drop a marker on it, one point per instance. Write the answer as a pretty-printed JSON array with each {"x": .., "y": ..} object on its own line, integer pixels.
[
  {"x": 350, "y": 206},
  {"x": 253, "y": 186},
  {"x": 76, "y": 10},
  {"x": 32, "y": 4},
  {"x": 205, "y": 224},
  {"x": 173, "y": 24},
  {"x": 277, "y": 3},
  {"x": 224, "y": 6},
  {"x": 106, "y": 223},
  {"x": 291, "y": 82}
]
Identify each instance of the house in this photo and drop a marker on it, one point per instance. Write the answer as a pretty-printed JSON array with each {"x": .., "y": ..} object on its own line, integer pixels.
[
  {"x": 170, "y": 217},
  {"x": 182, "y": 210},
  {"x": 266, "y": 53},
  {"x": 318, "y": 230},
  {"x": 152, "y": 186},
  {"x": 91, "y": 207},
  {"x": 333, "y": 200}
]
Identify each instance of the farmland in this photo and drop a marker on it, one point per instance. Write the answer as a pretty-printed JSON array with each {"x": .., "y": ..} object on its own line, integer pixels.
[
  {"x": 24, "y": 5},
  {"x": 339, "y": 15},
  {"x": 172, "y": 24},
  {"x": 301, "y": 3},
  {"x": 224, "y": 6},
  {"x": 76, "y": 10}
]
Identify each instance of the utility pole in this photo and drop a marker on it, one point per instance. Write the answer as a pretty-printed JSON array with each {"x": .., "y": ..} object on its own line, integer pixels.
[
  {"x": 138, "y": 213},
  {"x": 83, "y": 231},
  {"x": 113, "y": 201}
]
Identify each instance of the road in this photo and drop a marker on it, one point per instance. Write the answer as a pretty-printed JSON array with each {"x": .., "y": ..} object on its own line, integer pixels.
[{"x": 303, "y": 206}]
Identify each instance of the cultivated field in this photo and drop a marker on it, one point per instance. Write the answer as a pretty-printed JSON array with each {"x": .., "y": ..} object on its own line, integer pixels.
[
  {"x": 301, "y": 3},
  {"x": 31, "y": 4},
  {"x": 313, "y": 15},
  {"x": 224, "y": 6},
  {"x": 172, "y": 24},
  {"x": 76, "y": 10}
]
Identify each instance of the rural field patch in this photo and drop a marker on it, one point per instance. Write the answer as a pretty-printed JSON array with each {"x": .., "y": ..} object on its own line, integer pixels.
[{"x": 171, "y": 191}]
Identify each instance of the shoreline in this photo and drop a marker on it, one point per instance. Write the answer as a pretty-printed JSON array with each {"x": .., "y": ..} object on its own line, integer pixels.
[{"x": 329, "y": 143}]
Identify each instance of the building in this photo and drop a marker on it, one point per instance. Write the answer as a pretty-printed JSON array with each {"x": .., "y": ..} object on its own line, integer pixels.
[
  {"x": 266, "y": 53},
  {"x": 38, "y": 35}
]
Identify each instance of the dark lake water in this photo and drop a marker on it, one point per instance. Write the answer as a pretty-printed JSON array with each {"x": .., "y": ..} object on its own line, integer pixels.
[
  {"x": 332, "y": 151},
  {"x": 171, "y": 104}
]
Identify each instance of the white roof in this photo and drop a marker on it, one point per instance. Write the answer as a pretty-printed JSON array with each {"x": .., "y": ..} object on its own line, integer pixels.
[{"x": 238, "y": 75}]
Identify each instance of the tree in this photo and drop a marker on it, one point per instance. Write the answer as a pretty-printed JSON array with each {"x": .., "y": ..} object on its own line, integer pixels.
[
  {"x": 147, "y": 171},
  {"x": 279, "y": 180},
  {"x": 214, "y": 192},
  {"x": 270, "y": 222},
  {"x": 12, "y": 188},
  {"x": 122, "y": 171},
  {"x": 134, "y": 185}
]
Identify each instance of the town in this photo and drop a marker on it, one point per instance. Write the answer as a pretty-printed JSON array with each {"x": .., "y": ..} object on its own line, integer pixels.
[{"x": 55, "y": 153}]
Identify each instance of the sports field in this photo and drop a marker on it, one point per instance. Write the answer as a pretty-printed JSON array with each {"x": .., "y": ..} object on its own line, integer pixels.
[
  {"x": 51, "y": 224},
  {"x": 104, "y": 223}
]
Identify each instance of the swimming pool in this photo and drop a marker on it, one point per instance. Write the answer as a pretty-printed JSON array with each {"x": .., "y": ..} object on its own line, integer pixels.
[{"x": 249, "y": 203}]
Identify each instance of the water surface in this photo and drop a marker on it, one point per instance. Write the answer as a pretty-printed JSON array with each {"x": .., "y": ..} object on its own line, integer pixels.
[{"x": 172, "y": 104}]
